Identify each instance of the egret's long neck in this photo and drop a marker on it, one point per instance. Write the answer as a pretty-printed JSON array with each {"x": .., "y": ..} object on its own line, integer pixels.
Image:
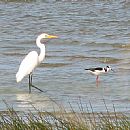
[{"x": 42, "y": 50}]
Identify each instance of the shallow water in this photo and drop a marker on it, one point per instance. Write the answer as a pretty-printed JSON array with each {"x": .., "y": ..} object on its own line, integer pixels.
[{"x": 91, "y": 34}]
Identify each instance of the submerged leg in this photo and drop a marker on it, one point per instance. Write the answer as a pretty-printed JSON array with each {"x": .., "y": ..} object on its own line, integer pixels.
[
  {"x": 38, "y": 88},
  {"x": 31, "y": 85},
  {"x": 30, "y": 82},
  {"x": 97, "y": 78}
]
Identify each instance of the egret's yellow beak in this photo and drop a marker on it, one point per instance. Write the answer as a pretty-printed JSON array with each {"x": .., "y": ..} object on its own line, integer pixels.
[{"x": 52, "y": 36}]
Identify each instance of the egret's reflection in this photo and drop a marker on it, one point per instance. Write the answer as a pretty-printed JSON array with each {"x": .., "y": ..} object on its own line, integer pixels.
[{"x": 35, "y": 101}]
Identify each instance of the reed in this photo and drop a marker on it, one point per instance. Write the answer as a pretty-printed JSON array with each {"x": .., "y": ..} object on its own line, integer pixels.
[{"x": 63, "y": 120}]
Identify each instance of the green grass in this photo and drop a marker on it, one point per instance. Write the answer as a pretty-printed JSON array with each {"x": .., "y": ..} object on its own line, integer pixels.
[{"x": 63, "y": 120}]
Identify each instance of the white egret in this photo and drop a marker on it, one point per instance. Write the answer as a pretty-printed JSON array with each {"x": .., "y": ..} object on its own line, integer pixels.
[{"x": 32, "y": 60}]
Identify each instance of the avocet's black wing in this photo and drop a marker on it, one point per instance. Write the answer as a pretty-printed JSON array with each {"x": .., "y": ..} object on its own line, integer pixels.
[{"x": 94, "y": 69}]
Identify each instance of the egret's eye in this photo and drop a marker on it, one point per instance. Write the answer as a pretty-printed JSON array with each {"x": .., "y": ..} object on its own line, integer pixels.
[{"x": 46, "y": 36}]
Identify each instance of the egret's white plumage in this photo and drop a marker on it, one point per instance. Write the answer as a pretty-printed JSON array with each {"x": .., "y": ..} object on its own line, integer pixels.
[
  {"x": 32, "y": 60},
  {"x": 27, "y": 65}
]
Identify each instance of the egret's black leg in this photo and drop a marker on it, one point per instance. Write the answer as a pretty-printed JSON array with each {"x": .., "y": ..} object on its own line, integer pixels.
[
  {"x": 38, "y": 88},
  {"x": 30, "y": 84},
  {"x": 31, "y": 78}
]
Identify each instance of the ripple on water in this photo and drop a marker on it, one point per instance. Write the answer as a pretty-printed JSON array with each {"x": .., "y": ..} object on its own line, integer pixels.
[
  {"x": 108, "y": 60},
  {"x": 53, "y": 65},
  {"x": 14, "y": 54},
  {"x": 91, "y": 33}
]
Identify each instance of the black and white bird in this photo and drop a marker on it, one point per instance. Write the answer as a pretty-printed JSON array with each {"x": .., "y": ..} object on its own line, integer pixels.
[{"x": 99, "y": 70}]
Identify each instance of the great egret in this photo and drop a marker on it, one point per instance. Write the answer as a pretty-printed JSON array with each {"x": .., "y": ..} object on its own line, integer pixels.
[
  {"x": 99, "y": 70},
  {"x": 32, "y": 60}
]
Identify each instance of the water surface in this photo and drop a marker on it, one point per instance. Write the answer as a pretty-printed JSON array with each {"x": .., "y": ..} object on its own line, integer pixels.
[{"x": 91, "y": 34}]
